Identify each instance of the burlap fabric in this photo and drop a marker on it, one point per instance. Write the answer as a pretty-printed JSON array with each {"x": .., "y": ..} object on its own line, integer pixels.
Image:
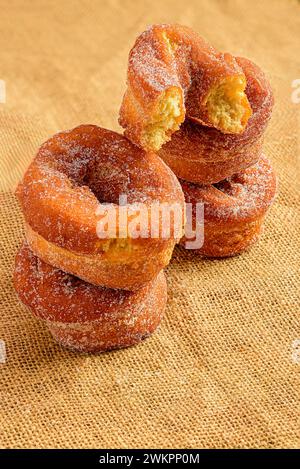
[{"x": 223, "y": 370}]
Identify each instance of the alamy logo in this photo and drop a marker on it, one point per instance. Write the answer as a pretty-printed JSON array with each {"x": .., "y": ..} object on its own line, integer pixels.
[
  {"x": 2, "y": 91},
  {"x": 296, "y": 351},
  {"x": 295, "y": 96},
  {"x": 155, "y": 220},
  {"x": 2, "y": 352}
]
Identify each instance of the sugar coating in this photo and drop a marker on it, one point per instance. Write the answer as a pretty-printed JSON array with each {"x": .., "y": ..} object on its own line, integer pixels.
[
  {"x": 82, "y": 315},
  {"x": 158, "y": 67},
  {"x": 76, "y": 171},
  {"x": 172, "y": 59},
  {"x": 73, "y": 175},
  {"x": 128, "y": 268},
  {"x": 203, "y": 154},
  {"x": 241, "y": 197}
]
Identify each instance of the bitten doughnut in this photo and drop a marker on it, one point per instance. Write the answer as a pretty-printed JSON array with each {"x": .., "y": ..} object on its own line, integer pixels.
[
  {"x": 173, "y": 73},
  {"x": 86, "y": 317},
  {"x": 234, "y": 209},
  {"x": 79, "y": 172},
  {"x": 205, "y": 155}
]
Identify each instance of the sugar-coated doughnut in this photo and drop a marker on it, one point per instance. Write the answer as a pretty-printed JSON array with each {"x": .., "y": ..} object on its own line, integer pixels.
[
  {"x": 86, "y": 317},
  {"x": 80, "y": 171},
  {"x": 205, "y": 155},
  {"x": 173, "y": 73},
  {"x": 234, "y": 209}
]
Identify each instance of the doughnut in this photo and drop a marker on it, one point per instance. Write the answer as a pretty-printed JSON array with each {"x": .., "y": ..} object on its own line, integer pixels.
[
  {"x": 75, "y": 174},
  {"x": 173, "y": 73},
  {"x": 205, "y": 155},
  {"x": 234, "y": 209},
  {"x": 86, "y": 317}
]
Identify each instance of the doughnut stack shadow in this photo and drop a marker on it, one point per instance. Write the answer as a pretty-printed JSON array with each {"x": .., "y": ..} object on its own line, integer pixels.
[
  {"x": 205, "y": 113},
  {"x": 190, "y": 112}
]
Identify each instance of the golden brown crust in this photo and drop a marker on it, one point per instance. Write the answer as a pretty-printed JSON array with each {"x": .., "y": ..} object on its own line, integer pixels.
[
  {"x": 83, "y": 316},
  {"x": 173, "y": 62},
  {"x": 62, "y": 191},
  {"x": 234, "y": 209},
  {"x": 205, "y": 155},
  {"x": 128, "y": 272}
]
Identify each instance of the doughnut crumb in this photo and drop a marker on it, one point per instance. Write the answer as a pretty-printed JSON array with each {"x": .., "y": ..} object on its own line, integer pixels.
[
  {"x": 165, "y": 121},
  {"x": 228, "y": 106}
]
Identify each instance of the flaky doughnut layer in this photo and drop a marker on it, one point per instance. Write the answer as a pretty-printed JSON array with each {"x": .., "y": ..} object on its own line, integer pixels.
[
  {"x": 205, "y": 155},
  {"x": 234, "y": 209},
  {"x": 174, "y": 73},
  {"x": 85, "y": 317},
  {"x": 75, "y": 174}
]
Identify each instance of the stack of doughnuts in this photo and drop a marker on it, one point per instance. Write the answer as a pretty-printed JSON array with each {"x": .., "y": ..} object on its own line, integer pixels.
[
  {"x": 96, "y": 289},
  {"x": 205, "y": 113},
  {"x": 95, "y": 277}
]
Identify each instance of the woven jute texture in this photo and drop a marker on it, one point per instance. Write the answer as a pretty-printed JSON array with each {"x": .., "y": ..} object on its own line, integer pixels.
[{"x": 223, "y": 369}]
